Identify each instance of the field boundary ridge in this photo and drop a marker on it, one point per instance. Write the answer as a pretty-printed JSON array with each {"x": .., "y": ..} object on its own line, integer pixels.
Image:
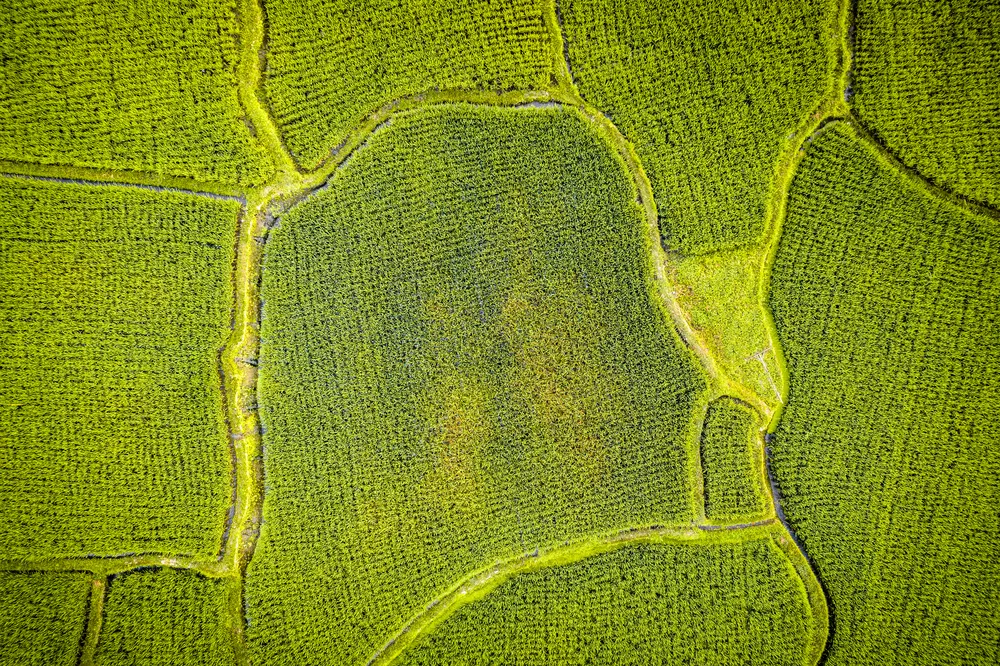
[
  {"x": 484, "y": 581},
  {"x": 70, "y": 175}
]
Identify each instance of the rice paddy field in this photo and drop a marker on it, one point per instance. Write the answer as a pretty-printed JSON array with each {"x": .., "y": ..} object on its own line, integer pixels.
[{"x": 500, "y": 333}]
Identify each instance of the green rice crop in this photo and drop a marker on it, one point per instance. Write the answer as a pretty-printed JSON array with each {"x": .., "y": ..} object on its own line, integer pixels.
[
  {"x": 42, "y": 617},
  {"x": 462, "y": 361},
  {"x": 707, "y": 91},
  {"x": 885, "y": 299},
  {"x": 165, "y": 617},
  {"x": 330, "y": 63},
  {"x": 115, "y": 303},
  {"x": 725, "y": 605},
  {"x": 926, "y": 84},
  {"x": 126, "y": 84},
  {"x": 732, "y": 462}
]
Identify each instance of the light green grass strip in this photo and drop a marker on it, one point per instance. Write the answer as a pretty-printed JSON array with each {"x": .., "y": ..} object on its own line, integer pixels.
[
  {"x": 251, "y": 19},
  {"x": 95, "y": 619},
  {"x": 834, "y": 105}
]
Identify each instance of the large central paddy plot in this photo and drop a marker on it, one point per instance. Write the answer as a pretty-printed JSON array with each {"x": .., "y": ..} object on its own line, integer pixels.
[{"x": 462, "y": 361}]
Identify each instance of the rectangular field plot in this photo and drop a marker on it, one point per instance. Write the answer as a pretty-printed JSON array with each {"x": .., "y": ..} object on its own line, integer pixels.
[
  {"x": 886, "y": 301},
  {"x": 332, "y": 63},
  {"x": 462, "y": 361},
  {"x": 126, "y": 84},
  {"x": 732, "y": 458},
  {"x": 42, "y": 617},
  {"x": 726, "y": 604},
  {"x": 114, "y": 303},
  {"x": 166, "y": 617}
]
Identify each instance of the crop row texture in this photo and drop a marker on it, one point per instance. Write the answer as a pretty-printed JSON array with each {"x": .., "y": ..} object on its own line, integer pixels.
[
  {"x": 926, "y": 83},
  {"x": 886, "y": 303},
  {"x": 331, "y": 63},
  {"x": 165, "y": 617},
  {"x": 461, "y": 362},
  {"x": 725, "y": 605},
  {"x": 707, "y": 92},
  {"x": 145, "y": 85},
  {"x": 42, "y": 617},
  {"x": 732, "y": 462},
  {"x": 114, "y": 303}
]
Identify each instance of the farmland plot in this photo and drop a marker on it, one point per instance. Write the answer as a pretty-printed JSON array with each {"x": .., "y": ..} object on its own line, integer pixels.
[
  {"x": 732, "y": 461},
  {"x": 707, "y": 92},
  {"x": 115, "y": 303},
  {"x": 126, "y": 84},
  {"x": 331, "y": 63},
  {"x": 462, "y": 361},
  {"x": 886, "y": 302},
  {"x": 723, "y": 604},
  {"x": 926, "y": 83},
  {"x": 165, "y": 617},
  {"x": 42, "y": 617}
]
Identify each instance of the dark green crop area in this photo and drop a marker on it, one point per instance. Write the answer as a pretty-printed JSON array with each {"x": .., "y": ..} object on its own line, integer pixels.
[
  {"x": 461, "y": 362},
  {"x": 117, "y": 84},
  {"x": 708, "y": 92},
  {"x": 886, "y": 300},
  {"x": 42, "y": 617},
  {"x": 926, "y": 84},
  {"x": 331, "y": 64},
  {"x": 732, "y": 463},
  {"x": 115, "y": 303},
  {"x": 165, "y": 617},
  {"x": 646, "y": 604}
]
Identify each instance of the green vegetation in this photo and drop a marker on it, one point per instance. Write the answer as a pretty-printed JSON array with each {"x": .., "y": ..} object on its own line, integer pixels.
[
  {"x": 462, "y": 361},
  {"x": 708, "y": 92},
  {"x": 505, "y": 271},
  {"x": 886, "y": 300},
  {"x": 720, "y": 295},
  {"x": 42, "y": 618},
  {"x": 732, "y": 454},
  {"x": 120, "y": 84},
  {"x": 331, "y": 64},
  {"x": 115, "y": 303},
  {"x": 165, "y": 617},
  {"x": 926, "y": 84},
  {"x": 726, "y": 604}
]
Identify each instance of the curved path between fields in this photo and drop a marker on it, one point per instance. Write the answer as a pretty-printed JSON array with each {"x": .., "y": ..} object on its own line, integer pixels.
[{"x": 486, "y": 580}]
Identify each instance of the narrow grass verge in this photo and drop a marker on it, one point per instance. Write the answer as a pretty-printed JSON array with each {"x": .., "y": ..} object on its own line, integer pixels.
[{"x": 95, "y": 618}]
